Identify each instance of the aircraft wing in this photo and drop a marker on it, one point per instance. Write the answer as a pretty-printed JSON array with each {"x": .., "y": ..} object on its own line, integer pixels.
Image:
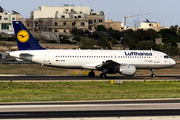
[
  {"x": 112, "y": 64},
  {"x": 108, "y": 64}
]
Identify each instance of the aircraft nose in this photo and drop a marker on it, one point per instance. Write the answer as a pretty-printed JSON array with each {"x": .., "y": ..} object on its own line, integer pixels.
[{"x": 173, "y": 62}]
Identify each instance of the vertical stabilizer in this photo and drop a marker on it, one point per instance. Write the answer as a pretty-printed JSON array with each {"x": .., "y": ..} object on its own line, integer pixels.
[{"x": 24, "y": 38}]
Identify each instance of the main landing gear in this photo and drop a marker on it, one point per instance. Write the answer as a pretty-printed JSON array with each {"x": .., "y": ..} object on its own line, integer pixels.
[
  {"x": 91, "y": 74},
  {"x": 103, "y": 75},
  {"x": 104, "y": 71},
  {"x": 153, "y": 75}
]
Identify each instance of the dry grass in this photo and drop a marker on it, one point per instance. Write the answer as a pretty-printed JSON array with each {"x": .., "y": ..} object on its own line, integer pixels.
[{"x": 37, "y": 69}]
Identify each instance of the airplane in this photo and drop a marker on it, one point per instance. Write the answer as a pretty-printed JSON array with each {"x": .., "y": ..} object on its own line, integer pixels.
[{"x": 124, "y": 62}]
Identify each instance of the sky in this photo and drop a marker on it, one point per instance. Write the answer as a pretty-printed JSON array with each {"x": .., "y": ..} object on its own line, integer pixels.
[{"x": 164, "y": 11}]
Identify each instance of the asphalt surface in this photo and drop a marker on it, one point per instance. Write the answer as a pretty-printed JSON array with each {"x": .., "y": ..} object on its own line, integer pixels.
[
  {"x": 123, "y": 101},
  {"x": 82, "y": 78},
  {"x": 104, "y": 113},
  {"x": 112, "y": 108}
]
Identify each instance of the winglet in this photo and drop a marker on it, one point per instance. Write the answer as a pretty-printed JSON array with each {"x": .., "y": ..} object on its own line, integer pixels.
[{"x": 24, "y": 38}]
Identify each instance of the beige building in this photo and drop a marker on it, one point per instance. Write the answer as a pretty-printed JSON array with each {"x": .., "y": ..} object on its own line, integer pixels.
[
  {"x": 151, "y": 25},
  {"x": 114, "y": 25},
  {"x": 63, "y": 19},
  {"x": 159, "y": 41},
  {"x": 60, "y": 25},
  {"x": 65, "y": 11},
  {"x": 6, "y": 19}
]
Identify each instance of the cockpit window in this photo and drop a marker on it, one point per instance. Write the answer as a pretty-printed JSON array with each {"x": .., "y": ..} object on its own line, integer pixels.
[{"x": 166, "y": 56}]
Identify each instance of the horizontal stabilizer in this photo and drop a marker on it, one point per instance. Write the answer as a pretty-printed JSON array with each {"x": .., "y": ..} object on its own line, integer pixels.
[{"x": 25, "y": 55}]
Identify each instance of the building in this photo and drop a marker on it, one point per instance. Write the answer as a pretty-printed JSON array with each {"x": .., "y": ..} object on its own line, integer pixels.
[
  {"x": 151, "y": 25},
  {"x": 65, "y": 11},
  {"x": 6, "y": 19},
  {"x": 114, "y": 25},
  {"x": 159, "y": 41},
  {"x": 64, "y": 18}
]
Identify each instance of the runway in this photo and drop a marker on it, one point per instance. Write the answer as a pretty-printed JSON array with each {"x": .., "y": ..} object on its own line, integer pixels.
[
  {"x": 71, "y": 109},
  {"x": 74, "y": 114},
  {"x": 83, "y": 78},
  {"x": 84, "y": 109}
]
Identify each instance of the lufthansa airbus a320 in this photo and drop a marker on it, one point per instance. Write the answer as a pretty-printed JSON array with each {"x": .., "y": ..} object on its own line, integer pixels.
[{"x": 124, "y": 62}]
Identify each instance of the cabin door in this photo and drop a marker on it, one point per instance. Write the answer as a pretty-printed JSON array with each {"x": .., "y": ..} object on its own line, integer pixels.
[
  {"x": 46, "y": 57},
  {"x": 156, "y": 58}
]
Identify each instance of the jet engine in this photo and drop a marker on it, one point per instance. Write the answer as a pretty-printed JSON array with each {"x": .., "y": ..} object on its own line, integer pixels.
[{"x": 128, "y": 70}]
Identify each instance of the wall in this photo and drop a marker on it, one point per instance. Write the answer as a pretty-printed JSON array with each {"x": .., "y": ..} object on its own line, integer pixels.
[
  {"x": 114, "y": 25},
  {"x": 6, "y": 21},
  {"x": 50, "y": 12}
]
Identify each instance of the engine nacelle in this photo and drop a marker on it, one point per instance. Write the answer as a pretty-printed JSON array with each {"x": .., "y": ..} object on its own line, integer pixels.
[{"x": 128, "y": 70}]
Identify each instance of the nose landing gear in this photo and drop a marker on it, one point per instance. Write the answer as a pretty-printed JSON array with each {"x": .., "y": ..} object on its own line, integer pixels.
[{"x": 153, "y": 75}]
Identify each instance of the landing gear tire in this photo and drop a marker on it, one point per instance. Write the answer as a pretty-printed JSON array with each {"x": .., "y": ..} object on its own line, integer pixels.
[
  {"x": 153, "y": 75},
  {"x": 103, "y": 75},
  {"x": 91, "y": 74}
]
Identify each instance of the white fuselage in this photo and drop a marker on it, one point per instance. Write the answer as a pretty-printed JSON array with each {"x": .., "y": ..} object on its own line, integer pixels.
[{"x": 89, "y": 59}]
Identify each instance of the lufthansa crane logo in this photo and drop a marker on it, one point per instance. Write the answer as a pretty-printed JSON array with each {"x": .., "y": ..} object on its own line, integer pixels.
[{"x": 23, "y": 36}]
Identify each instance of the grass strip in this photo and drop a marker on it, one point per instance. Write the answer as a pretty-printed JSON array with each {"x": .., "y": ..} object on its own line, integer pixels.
[{"x": 71, "y": 91}]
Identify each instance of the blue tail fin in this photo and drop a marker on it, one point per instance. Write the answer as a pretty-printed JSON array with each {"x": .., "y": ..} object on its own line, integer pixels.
[{"x": 24, "y": 38}]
